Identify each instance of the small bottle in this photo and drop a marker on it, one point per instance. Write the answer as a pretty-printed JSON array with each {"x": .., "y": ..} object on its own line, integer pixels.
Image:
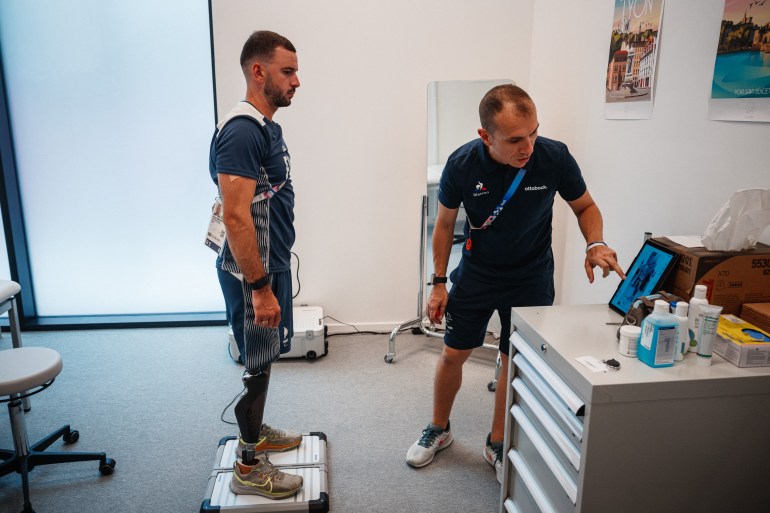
[
  {"x": 629, "y": 340},
  {"x": 695, "y": 316},
  {"x": 657, "y": 344},
  {"x": 708, "y": 331},
  {"x": 682, "y": 337}
]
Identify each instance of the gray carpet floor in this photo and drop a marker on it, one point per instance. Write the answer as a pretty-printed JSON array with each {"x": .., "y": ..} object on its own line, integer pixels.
[{"x": 152, "y": 399}]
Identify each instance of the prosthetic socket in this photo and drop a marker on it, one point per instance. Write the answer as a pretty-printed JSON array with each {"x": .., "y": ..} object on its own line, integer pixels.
[{"x": 251, "y": 406}]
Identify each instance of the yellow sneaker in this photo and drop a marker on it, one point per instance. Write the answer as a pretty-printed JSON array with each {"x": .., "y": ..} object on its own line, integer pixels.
[
  {"x": 272, "y": 440},
  {"x": 262, "y": 478}
]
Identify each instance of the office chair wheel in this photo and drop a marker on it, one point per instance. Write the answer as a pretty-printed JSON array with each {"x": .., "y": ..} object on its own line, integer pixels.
[
  {"x": 492, "y": 385},
  {"x": 71, "y": 437},
  {"x": 108, "y": 467},
  {"x": 388, "y": 358}
]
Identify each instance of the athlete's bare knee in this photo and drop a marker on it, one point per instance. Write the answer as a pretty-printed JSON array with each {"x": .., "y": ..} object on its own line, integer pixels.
[{"x": 454, "y": 357}]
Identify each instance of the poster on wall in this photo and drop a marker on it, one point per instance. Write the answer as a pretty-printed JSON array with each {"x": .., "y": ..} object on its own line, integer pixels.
[
  {"x": 740, "y": 89},
  {"x": 636, "y": 30}
]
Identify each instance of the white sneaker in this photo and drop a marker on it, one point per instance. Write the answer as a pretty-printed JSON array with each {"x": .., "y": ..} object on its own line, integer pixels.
[
  {"x": 433, "y": 439},
  {"x": 235, "y": 353},
  {"x": 493, "y": 454}
]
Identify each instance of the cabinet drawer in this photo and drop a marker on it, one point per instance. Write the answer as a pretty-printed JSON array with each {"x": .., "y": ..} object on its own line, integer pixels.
[
  {"x": 567, "y": 452},
  {"x": 526, "y": 494},
  {"x": 570, "y": 424},
  {"x": 565, "y": 394},
  {"x": 554, "y": 481},
  {"x": 511, "y": 507}
]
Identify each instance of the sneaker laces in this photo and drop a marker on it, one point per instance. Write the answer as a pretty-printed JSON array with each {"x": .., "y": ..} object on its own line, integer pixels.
[
  {"x": 269, "y": 430},
  {"x": 267, "y": 469},
  {"x": 498, "y": 453},
  {"x": 429, "y": 435}
]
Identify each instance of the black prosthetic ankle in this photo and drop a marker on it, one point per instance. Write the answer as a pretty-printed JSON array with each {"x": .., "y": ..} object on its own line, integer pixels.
[{"x": 248, "y": 456}]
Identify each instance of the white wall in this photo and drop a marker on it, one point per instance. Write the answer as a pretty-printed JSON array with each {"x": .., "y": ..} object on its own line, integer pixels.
[
  {"x": 667, "y": 175},
  {"x": 357, "y": 128}
]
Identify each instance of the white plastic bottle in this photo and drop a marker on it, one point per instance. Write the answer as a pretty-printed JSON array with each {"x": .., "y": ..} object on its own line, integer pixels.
[
  {"x": 657, "y": 344},
  {"x": 695, "y": 316},
  {"x": 682, "y": 337},
  {"x": 708, "y": 333}
]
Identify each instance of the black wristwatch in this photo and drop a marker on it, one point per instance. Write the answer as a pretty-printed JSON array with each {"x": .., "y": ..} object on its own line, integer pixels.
[
  {"x": 260, "y": 283},
  {"x": 437, "y": 279}
]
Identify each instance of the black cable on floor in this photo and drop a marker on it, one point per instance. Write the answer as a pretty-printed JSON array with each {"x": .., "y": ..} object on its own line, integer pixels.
[{"x": 359, "y": 332}]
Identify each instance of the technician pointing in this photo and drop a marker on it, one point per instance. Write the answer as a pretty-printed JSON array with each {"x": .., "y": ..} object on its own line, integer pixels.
[{"x": 507, "y": 181}]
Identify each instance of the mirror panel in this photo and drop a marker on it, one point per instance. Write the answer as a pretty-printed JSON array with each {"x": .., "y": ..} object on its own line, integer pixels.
[{"x": 453, "y": 120}]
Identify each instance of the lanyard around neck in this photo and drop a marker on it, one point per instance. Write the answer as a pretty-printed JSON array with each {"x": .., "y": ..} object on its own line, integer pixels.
[{"x": 496, "y": 212}]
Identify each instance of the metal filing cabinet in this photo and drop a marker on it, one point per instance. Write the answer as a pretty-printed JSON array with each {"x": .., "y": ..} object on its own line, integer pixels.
[{"x": 639, "y": 440}]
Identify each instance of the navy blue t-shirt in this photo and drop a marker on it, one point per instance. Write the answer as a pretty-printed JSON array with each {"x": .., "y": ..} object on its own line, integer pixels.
[
  {"x": 257, "y": 151},
  {"x": 518, "y": 242}
]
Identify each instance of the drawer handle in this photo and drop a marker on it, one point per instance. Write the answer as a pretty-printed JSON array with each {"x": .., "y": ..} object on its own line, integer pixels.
[
  {"x": 527, "y": 397},
  {"x": 559, "y": 407},
  {"x": 564, "y": 392},
  {"x": 510, "y": 507},
  {"x": 530, "y": 481},
  {"x": 567, "y": 484}
]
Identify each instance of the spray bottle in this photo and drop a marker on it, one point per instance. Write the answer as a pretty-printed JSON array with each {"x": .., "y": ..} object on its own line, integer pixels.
[
  {"x": 682, "y": 337},
  {"x": 657, "y": 344},
  {"x": 695, "y": 316}
]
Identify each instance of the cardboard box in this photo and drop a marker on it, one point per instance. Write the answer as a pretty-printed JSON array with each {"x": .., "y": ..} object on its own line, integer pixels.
[
  {"x": 757, "y": 314},
  {"x": 732, "y": 277},
  {"x": 741, "y": 343}
]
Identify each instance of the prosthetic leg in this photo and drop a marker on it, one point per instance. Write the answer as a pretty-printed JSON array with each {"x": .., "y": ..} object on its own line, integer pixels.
[{"x": 250, "y": 409}]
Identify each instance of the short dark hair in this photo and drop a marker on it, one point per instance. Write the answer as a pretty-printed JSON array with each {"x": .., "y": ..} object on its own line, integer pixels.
[
  {"x": 497, "y": 97},
  {"x": 262, "y": 44}
]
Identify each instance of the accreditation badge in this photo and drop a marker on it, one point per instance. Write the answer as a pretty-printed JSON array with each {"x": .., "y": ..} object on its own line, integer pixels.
[{"x": 215, "y": 236}]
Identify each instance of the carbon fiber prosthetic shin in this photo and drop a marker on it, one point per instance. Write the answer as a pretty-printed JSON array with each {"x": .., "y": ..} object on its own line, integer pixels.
[{"x": 251, "y": 406}]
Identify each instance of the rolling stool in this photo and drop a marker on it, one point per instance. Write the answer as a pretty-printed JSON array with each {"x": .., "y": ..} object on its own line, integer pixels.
[
  {"x": 26, "y": 371},
  {"x": 8, "y": 291}
]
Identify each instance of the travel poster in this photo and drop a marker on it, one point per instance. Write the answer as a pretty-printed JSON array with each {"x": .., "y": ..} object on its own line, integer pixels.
[
  {"x": 631, "y": 60},
  {"x": 740, "y": 89}
]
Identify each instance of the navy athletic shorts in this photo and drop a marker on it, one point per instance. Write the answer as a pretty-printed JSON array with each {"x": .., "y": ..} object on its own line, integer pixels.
[
  {"x": 258, "y": 346},
  {"x": 474, "y": 298}
]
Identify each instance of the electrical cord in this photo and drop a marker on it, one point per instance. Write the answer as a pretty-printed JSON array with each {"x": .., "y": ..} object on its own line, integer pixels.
[
  {"x": 299, "y": 285},
  {"x": 222, "y": 416},
  {"x": 359, "y": 332}
]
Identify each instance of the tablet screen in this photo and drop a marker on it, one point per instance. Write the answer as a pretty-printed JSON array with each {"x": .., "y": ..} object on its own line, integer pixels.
[{"x": 647, "y": 273}]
